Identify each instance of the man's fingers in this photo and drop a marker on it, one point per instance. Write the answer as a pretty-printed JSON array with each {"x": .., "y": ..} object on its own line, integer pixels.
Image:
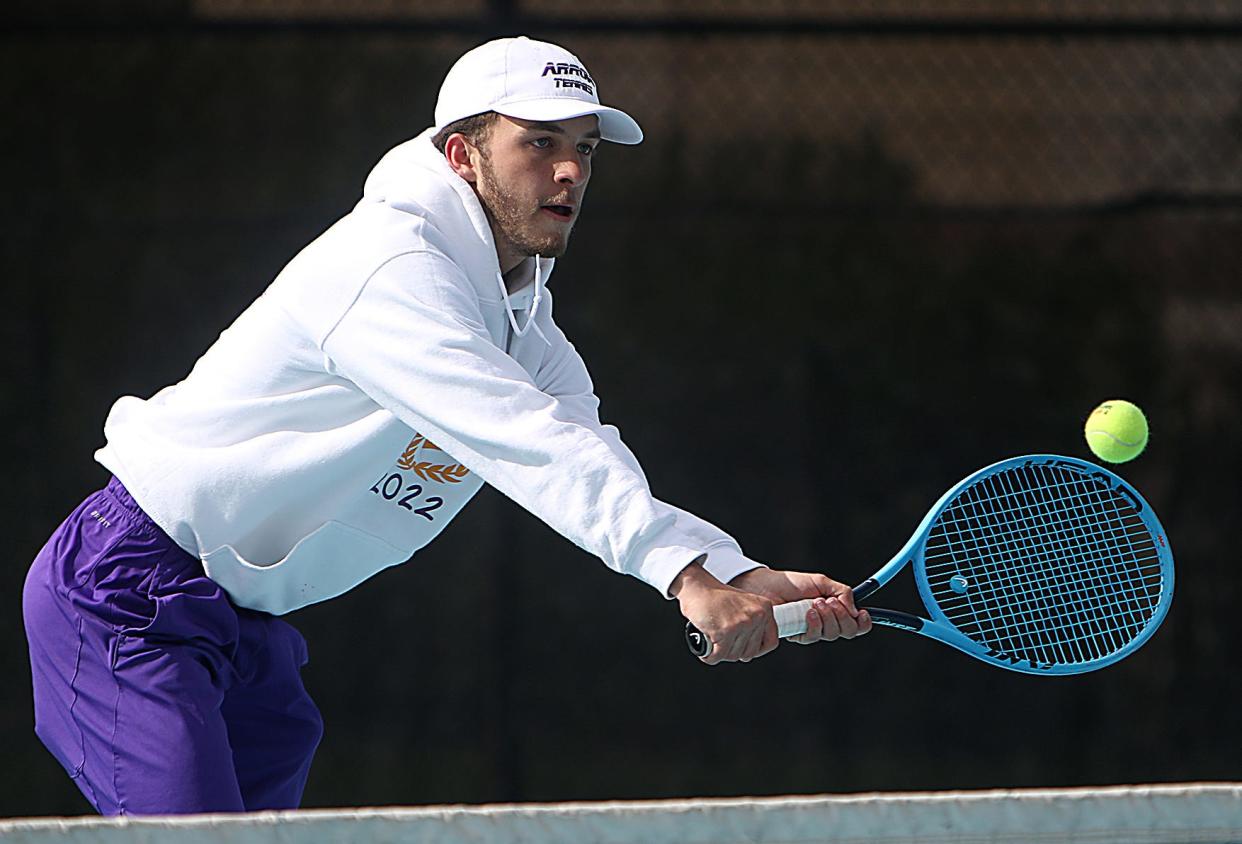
[
  {"x": 745, "y": 646},
  {"x": 752, "y": 636},
  {"x": 847, "y": 599},
  {"x": 820, "y": 585},
  {"x": 830, "y": 618},
  {"x": 762, "y": 638},
  {"x": 715, "y": 655},
  {"x": 771, "y": 636},
  {"x": 814, "y": 627},
  {"x": 850, "y": 623}
]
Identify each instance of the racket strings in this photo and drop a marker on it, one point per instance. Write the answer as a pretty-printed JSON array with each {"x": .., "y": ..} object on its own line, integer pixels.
[
  {"x": 1034, "y": 600},
  {"x": 1059, "y": 567},
  {"x": 1033, "y": 597}
]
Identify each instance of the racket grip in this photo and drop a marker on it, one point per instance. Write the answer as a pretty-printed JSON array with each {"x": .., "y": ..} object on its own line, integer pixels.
[
  {"x": 790, "y": 621},
  {"x": 791, "y": 618}
]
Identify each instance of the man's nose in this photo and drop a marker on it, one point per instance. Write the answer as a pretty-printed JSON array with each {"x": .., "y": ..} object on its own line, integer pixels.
[{"x": 569, "y": 173}]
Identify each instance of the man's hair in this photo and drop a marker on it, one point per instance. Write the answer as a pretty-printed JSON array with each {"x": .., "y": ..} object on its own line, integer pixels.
[{"x": 476, "y": 128}]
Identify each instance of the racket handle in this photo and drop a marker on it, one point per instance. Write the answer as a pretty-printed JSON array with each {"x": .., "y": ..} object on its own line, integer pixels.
[
  {"x": 790, "y": 621},
  {"x": 791, "y": 618}
]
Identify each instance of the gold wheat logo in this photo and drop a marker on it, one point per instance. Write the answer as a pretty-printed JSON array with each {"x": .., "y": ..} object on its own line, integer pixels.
[{"x": 444, "y": 473}]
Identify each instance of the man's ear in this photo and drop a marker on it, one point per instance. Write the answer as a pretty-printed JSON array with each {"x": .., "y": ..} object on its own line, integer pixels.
[{"x": 461, "y": 156}]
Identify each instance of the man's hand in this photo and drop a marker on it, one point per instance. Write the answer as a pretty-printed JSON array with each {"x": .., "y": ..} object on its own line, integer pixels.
[
  {"x": 738, "y": 623},
  {"x": 833, "y": 615}
]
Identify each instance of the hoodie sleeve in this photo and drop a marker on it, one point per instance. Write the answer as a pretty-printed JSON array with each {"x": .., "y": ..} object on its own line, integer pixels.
[
  {"x": 414, "y": 340},
  {"x": 564, "y": 375}
]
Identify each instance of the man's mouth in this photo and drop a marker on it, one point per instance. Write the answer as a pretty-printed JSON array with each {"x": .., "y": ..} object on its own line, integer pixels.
[{"x": 564, "y": 213}]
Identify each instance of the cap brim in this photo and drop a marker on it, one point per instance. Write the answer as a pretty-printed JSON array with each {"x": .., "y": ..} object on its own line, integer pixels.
[{"x": 614, "y": 125}]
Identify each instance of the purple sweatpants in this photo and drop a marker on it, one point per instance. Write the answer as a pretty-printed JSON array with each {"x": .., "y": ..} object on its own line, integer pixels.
[{"x": 155, "y": 693}]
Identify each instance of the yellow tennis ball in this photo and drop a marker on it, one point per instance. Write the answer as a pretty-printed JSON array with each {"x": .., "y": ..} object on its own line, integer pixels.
[{"x": 1116, "y": 431}]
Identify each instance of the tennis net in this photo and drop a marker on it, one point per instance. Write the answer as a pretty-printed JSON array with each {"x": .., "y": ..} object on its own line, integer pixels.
[{"x": 1158, "y": 814}]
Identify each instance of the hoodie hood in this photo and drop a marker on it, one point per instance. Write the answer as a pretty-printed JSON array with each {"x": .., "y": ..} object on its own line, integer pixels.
[{"x": 414, "y": 177}]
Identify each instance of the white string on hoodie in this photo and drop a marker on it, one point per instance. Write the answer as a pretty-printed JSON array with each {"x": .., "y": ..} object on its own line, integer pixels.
[{"x": 534, "y": 305}]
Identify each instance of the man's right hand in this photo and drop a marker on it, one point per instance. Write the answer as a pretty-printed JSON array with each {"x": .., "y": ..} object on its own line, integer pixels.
[{"x": 739, "y": 625}]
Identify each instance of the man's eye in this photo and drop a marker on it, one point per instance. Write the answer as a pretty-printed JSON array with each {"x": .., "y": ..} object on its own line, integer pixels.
[
  {"x": 586, "y": 149},
  {"x": 542, "y": 143}
]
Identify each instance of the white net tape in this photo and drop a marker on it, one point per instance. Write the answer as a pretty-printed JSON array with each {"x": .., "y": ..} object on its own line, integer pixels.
[{"x": 1124, "y": 815}]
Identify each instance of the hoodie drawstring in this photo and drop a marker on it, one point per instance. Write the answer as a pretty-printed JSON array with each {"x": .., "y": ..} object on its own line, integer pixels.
[{"x": 534, "y": 305}]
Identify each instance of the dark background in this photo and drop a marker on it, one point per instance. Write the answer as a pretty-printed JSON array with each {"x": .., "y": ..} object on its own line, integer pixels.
[{"x": 867, "y": 248}]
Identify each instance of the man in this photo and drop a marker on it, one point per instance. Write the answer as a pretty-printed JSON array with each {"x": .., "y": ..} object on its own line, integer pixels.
[{"x": 401, "y": 360}]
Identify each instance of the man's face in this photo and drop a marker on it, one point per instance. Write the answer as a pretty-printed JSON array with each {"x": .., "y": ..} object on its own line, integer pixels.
[{"x": 532, "y": 177}]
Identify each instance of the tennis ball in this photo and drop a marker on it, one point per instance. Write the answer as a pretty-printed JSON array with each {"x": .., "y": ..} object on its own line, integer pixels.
[{"x": 1116, "y": 431}]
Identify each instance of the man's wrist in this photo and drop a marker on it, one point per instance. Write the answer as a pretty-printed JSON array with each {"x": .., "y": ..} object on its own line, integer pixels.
[
  {"x": 758, "y": 581},
  {"x": 691, "y": 579},
  {"x": 739, "y": 582}
]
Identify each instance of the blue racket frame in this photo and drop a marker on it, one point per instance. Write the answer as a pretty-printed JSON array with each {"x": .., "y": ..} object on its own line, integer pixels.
[{"x": 940, "y": 628}]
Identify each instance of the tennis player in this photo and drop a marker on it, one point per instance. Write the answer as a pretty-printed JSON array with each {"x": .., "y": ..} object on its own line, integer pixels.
[{"x": 403, "y": 359}]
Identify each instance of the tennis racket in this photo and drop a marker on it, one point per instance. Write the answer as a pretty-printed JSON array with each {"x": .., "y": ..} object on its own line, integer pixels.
[{"x": 1041, "y": 564}]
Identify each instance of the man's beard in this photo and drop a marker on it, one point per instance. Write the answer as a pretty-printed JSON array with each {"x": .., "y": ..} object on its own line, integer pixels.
[{"x": 512, "y": 221}]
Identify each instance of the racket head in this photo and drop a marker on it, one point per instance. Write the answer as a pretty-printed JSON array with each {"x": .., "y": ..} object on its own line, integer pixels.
[{"x": 1044, "y": 564}]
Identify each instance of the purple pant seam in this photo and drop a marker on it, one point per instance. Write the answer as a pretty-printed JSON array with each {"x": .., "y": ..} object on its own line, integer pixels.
[
  {"x": 73, "y": 683},
  {"x": 73, "y": 715},
  {"x": 116, "y": 717}
]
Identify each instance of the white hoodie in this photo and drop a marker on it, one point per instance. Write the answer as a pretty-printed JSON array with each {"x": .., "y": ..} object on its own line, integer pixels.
[{"x": 309, "y": 448}]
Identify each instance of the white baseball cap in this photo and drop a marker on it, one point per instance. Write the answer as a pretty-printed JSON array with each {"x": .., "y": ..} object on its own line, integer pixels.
[{"x": 529, "y": 80}]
